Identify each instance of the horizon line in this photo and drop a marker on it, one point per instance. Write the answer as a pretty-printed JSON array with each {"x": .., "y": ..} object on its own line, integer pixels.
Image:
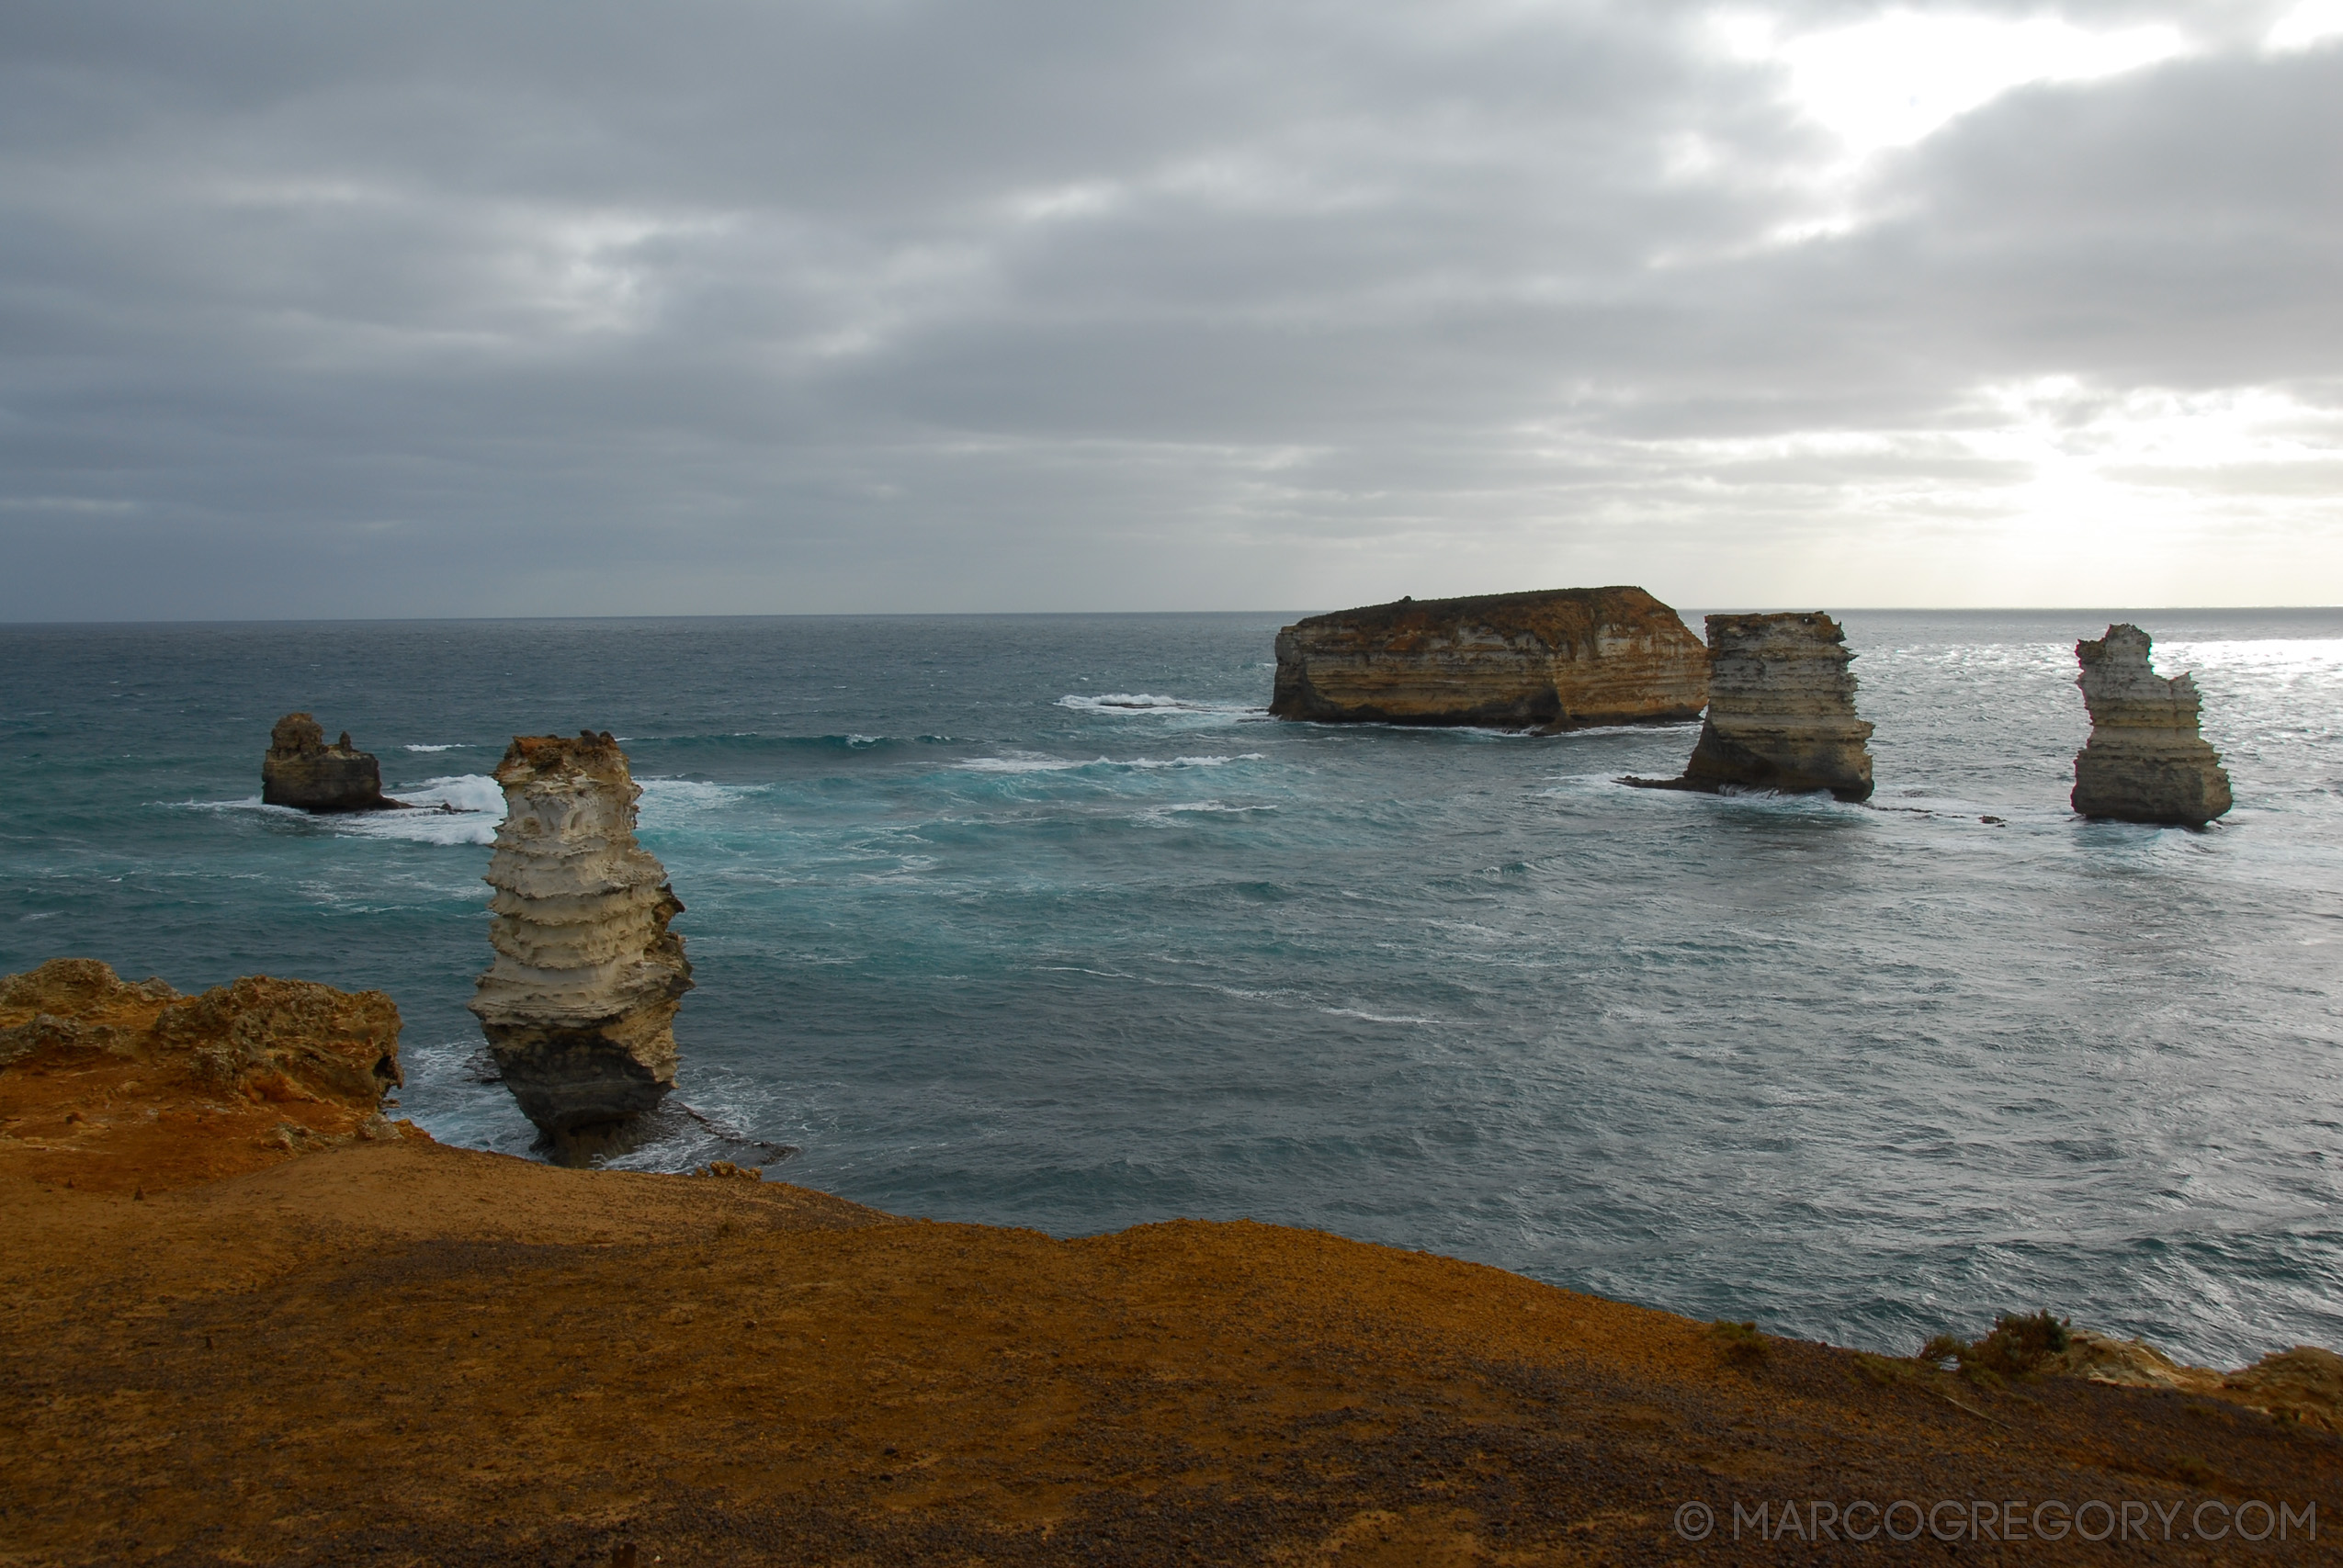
[{"x": 1068, "y": 615}]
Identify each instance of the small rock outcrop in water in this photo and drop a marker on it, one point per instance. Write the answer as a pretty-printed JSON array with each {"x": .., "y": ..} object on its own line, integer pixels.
[
  {"x": 580, "y": 1004},
  {"x": 1781, "y": 710},
  {"x": 1561, "y": 659},
  {"x": 303, "y": 769},
  {"x": 2145, "y": 762}
]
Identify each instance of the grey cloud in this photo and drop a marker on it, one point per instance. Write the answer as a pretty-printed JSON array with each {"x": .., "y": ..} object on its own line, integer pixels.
[{"x": 1049, "y": 305}]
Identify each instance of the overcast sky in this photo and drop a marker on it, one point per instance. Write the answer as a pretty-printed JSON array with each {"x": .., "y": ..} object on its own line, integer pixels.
[{"x": 745, "y": 306}]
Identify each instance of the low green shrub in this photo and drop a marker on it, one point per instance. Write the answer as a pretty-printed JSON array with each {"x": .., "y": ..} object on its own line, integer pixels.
[
  {"x": 1743, "y": 1345},
  {"x": 2018, "y": 1346}
]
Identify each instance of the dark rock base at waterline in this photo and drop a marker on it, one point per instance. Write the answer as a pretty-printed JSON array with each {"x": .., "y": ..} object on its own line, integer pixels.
[
  {"x": 1722, "y": 786},
  {"x": 570, "y": 1083}
]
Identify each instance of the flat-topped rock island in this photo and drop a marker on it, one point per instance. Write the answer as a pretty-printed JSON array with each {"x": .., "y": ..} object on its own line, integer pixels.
[{"x": 1562, "y": 659}]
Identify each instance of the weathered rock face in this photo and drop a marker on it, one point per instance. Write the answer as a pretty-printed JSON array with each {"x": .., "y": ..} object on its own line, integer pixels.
[
  {"x": 95, "y": 1071},
  {"x": 580, "y": 1004},
  {"x": 282, "y": 1040},
  {"x": 2145, "y": 762},
  {"x": 303, "y": 769},
  {"x": 1561, "y": 659},
  {"x": 1781, "y": 710},
  {"x": 2304, "y": 1384}
]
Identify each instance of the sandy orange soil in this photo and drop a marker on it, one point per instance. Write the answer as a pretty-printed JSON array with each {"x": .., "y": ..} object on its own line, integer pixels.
[{"x": 216, "y": 1348}]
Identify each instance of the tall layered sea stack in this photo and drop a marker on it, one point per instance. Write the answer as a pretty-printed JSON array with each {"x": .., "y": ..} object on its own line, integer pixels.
[
  {"x": 580, "y": 1005},
  {"x": 1561, "y": 659},
  {"x": 1781, "y": 710},
  {"x": 301, "y": 770},
  {"x": 2145, "y": 762}
]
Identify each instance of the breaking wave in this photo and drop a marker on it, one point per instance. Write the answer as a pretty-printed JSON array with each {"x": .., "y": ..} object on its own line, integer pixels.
[
  {"x": 1149, "y": 703},
  {"x": 1033, "y": 764},
  {"x": 464, "y": 809}
]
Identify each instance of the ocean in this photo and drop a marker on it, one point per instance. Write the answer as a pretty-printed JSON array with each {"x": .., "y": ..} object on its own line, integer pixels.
[{"x": 1041, "y": 921}]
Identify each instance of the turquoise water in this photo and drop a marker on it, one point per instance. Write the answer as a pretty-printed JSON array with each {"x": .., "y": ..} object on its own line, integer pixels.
[{"x": 1041, "y": 921}]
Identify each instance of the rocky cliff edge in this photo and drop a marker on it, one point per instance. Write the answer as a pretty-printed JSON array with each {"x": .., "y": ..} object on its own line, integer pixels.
[{"x": 108, "y": 1084}]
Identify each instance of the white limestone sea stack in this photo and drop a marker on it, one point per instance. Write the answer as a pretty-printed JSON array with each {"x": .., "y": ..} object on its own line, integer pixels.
[
  {"x": 579, "y": 1006},
  {"x": 2145, "y": 760}
]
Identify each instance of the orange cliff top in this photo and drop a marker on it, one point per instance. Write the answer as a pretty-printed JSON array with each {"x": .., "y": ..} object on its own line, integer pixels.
[
  {"x": 220, "y": 1348},
  {"x": 106, "y": 1086}
]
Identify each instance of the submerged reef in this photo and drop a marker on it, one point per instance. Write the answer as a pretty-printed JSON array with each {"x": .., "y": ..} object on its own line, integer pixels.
[
  {"x": 1781, "y": 710},
  {"x": 301, "y": 770},
  {"x": 1559, "y": 659},
  {"x": 2145, "y": 760},
  {"x": 579, "y": 1006}
]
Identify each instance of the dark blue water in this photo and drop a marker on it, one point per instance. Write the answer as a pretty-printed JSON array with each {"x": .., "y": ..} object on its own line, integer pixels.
[{"x": 1041, "y": 921}]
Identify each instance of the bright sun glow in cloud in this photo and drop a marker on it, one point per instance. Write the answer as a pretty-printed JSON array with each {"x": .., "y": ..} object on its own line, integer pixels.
[
  {"x": 1890, "y": 81},
  {"x": 2310, "y": 23},
  {"x": 2049, "y": 489}
]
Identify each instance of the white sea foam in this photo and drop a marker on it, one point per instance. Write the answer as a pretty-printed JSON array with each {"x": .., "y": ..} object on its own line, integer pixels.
[
  {"x": 1026, "y": 763},
  {"x": 464, "y": 792},
  {"x": 249, "y": 803},
  {"x": 1375, "y": 1017},
  {"x": 1125, "y": 702},
  {"x": 1151, "y": 705},
  {"x": 1019, "y": 764},
  {"x": 419, "y": 827},
  {"x": 1167, "y": 815},
  {"x": 462, "y": 809},
  {"x": 669, "y": 801},
  {"x": 1212, "y": 761},
  {"x": 451, "y": 746}
]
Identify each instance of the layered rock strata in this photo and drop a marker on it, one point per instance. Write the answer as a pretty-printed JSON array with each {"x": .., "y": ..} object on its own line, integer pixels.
[
  {"x": 579, "y": 1006},
  {"x": 1561, "y": 659},
  {"x": 97, "y": 1073},
  {"x": 2145, "y": 760},
  {"x": 301, "y": 770},
  {"x": 1781, "y": 710}
]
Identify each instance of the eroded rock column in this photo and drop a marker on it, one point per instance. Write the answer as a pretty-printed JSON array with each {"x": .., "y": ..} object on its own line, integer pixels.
[
  {"x": 2145, "y": 760},
  {"x": 1781, "y": 710},
  {"x": 579, "y": 1006}
]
